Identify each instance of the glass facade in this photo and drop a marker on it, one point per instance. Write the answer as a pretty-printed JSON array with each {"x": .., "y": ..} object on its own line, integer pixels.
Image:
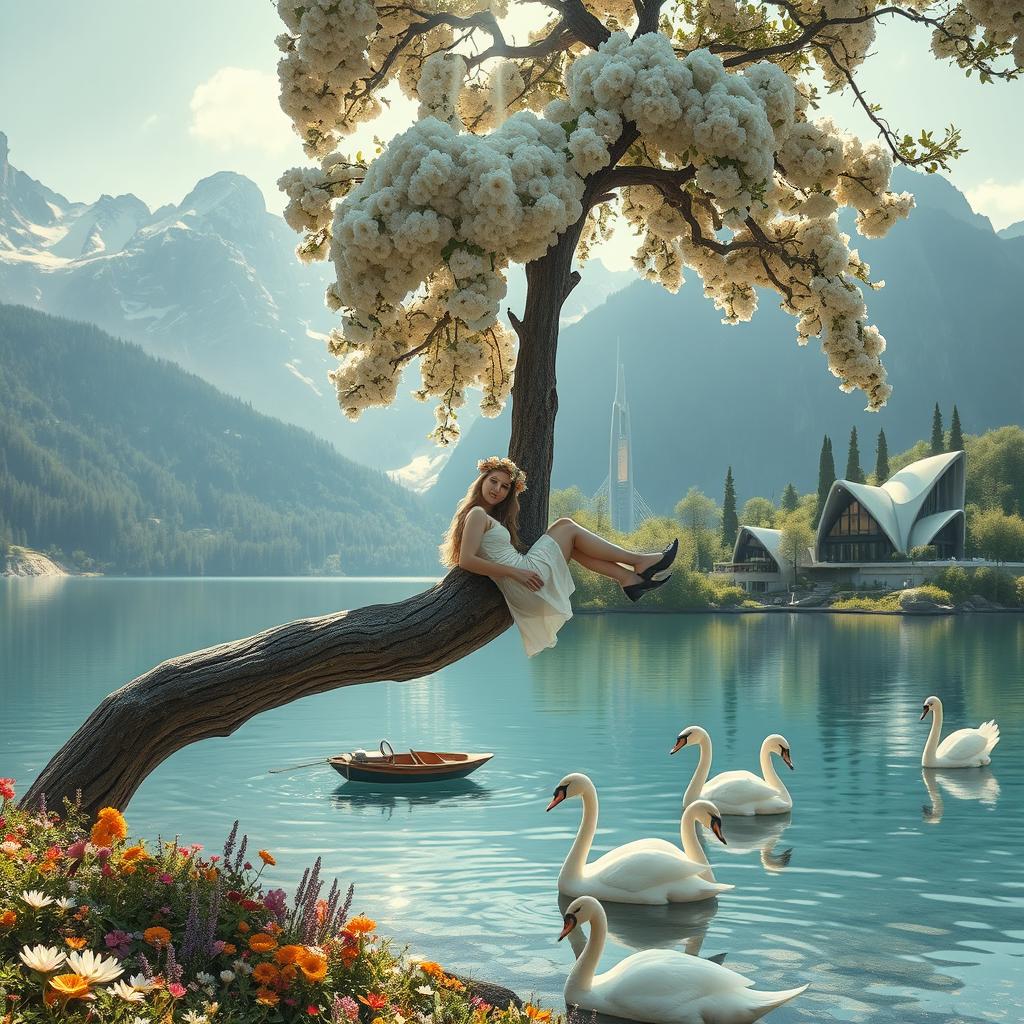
[{"x": 855, "y": 537}]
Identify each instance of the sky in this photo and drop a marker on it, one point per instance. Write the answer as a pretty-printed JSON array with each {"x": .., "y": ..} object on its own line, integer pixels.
[{"x": 113, "y": 96}]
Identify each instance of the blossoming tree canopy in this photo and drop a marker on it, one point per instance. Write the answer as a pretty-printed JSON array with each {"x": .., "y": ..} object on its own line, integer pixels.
[{"x": 695, "y": 121}]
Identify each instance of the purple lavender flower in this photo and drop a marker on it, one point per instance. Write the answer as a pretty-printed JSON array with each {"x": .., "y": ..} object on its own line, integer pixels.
[{"x": 229, "y": 844}]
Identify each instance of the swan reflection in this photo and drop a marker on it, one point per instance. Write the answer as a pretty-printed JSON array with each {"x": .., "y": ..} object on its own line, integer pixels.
[
  {"x": 760, "y": 833},
  {"x": 668, "y": 926},
  {"x": 386, "y": 799},
  {"x": 978, "y": 784}
]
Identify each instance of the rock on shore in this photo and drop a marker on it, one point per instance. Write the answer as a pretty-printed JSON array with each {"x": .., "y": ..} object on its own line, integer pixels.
[{"x": 26, "y": 562}]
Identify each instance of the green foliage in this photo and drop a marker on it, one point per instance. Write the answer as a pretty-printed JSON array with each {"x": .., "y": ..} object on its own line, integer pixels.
[
  {"x": 956, "y": 581},
  {"x": 956, "y": 434},
  {"x": 995, "y": 469},
  {"x": 144, "y": 469},
  {"x": 926, "y": 592},
  {"x": 797, "y": 537},
  {"x": 924, "y": 553},
  {"x": 826, "y": 476},
  {"x": 994, "y": 535},
  {"x": 730, "y": 524},
  {"x": 565, "y": 502},
  {"x": 882, "y": 472},
  {"x": 853, "y": 471},
  {"x": 790, "y": 499},
  {"x": 995, "y": 585},
  {"x": 701, "y": 520},
  {"x": 758, "y": 511},
  {"x": 886, "y": 603},
  {"x": 938, "y": 444}
]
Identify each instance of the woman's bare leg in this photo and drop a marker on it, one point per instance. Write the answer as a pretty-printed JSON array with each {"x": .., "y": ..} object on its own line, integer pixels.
[
  {"x": 574, "y": 539},
  {"x": 622, "y": 575}
]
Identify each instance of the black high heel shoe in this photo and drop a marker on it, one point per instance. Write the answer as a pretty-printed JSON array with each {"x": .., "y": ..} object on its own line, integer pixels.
[
  {"x": 637, "y": 590},
  {"x": 668, "y": 556}
]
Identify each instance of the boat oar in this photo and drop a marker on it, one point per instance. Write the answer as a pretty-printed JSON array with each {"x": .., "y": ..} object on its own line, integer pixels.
[{"x": 294, "y": 767}]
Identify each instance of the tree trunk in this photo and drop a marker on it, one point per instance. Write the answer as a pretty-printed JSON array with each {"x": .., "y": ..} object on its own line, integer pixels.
[{"x": 213, "y": 692}]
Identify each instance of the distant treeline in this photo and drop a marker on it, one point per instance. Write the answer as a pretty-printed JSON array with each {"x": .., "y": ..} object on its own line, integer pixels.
[{"x": 123, "y": 463}]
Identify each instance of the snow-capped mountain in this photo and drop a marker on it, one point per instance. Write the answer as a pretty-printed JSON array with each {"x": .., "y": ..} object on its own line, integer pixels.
[{"x": 211, "y": 283}]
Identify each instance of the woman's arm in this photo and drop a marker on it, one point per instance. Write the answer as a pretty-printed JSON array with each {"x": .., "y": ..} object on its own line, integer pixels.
[{"x": 472, "y": 535}]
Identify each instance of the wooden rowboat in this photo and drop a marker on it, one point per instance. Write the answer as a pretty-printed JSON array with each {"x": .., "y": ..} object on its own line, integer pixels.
[{"x": 416, "y": 766}]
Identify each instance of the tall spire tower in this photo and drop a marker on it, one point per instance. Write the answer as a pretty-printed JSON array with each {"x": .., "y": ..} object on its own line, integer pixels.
[{"x": 621, "y": 503}]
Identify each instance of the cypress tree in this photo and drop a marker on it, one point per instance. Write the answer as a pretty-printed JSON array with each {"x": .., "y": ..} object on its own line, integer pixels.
[
  {"x": 790, "y": 499},
  {"x": 881, "y": 459},
  {"x": 938, "y": 436},
  {"x": 826, "y": 476},
  {"x": 956, "y": 437},
  {"x": 730, "y": 521},
  {"x": 853, "y": 471}
]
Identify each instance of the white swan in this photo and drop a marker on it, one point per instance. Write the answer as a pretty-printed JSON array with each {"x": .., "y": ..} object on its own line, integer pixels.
[
  {"x": 659, "y": 986},
  {"x": 739, "y": 792},
  {"x": 980, "y": 786},
  {"x": 649, "y": 871},
  {"x": 965, "y": 748}
]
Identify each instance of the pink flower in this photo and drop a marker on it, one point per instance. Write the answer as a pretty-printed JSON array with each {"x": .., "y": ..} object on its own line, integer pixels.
[
  {"x": 350, "y": 1008},
  {"x": 176, "y": 989},
  {"x": 106, "y": 871},
  {"x": 7, "y": 789},
  {"x": 119, "y": 942},
  {"x": 166, "y": 878},
  {"x": 217, "y": 946},
  {"x": 103, "y": 854},
  {"x": 215, "y": 858},
  {"x": 76, "y": 851}
]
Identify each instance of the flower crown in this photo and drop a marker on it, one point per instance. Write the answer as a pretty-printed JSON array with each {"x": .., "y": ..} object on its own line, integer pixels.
[{"x": 506, "y": 466}]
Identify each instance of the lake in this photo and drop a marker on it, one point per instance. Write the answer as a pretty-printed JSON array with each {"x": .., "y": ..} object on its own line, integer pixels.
[{"x": 898, "y": 894}]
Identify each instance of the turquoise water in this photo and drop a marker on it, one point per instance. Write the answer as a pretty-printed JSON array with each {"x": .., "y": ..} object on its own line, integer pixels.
[{"x": 899, "y": 896}]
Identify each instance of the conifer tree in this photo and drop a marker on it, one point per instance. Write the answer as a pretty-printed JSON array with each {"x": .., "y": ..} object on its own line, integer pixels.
[
  {"x": 826, "y": 476},
  {"x": 938, "y": 436},
  {"x": 956, "y": 436},
  {"x": 790, "y": 499},
  {"x": 730, "y": 522},
  {"x": 881, "y": 459},
  {"x": 853, "y": 471}
]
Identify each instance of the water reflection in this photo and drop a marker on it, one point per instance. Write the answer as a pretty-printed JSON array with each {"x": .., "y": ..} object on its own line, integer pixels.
[
  {"x": 758, "y": 833},
  {"x": 636, "y": 927},
  {"x": 386, "y": 799},
  {"x": 962, "y": 784}
]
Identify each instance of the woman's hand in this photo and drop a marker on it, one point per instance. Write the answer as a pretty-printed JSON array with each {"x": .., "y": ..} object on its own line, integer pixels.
[{"x": 530, "y": 579}]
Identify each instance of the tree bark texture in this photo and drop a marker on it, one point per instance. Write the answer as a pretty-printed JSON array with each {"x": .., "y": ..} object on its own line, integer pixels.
[{"x": 213, "y": 692}]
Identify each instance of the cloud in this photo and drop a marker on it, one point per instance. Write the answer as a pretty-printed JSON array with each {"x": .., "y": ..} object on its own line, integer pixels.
[
  {"x": 1001, "y": 202},
  {"x": 238, "y": 107}
]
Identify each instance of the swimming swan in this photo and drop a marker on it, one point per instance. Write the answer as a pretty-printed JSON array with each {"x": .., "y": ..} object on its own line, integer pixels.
[
  {"x": 965, "y": 748},
  {"x": 659, "y": 986},
  {"x": 648, "y": 871},
  {"x": 739, "y": 792}
]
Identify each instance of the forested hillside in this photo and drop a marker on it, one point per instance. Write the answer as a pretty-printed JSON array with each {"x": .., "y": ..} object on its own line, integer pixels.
[{"x": 128, "y": 464}]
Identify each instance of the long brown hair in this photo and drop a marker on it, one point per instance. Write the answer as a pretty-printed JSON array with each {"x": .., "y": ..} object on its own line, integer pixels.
[{"x": 505, "y": 512}]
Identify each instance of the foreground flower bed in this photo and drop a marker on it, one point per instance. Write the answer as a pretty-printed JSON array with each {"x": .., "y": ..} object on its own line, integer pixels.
[{"x": 96, "y": 927}]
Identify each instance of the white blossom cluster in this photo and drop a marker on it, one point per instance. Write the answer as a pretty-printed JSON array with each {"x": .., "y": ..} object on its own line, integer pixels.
[
  {"x": 421, "y": 239},
  {"x": 1000, "y": 23}
]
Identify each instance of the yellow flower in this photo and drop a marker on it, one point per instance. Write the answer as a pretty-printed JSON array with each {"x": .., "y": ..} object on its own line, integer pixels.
[
  {"x": 536, "y": 1013},
  {"x": 71, "y": 986},
  {"x": 313, "y": 965},
  {"x": 267, "y": 858},
  {"x": 76, "y": 943}
]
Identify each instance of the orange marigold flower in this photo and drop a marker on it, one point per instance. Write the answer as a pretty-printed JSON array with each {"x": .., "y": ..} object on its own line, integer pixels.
[
  {"x": 70, "y": 986},
  {"x": 288, "y": 975},
  {"x": 266, "y": 974},
  {"x": 262, "y": 943},
  {"x": 243, "y": 927},
  {"x": 137, "y": 852},
  {"x": 536, "y": 1013},
  {"x": 374, "y": 1000},
  {"x": 360, "y": 925},
  {"x": 8, "y": 919},
  {"x": 267, "y": 858},
  {"x": 157, "y": 936},
  {"x": 267, "y": 997},
  {"x": 229, "y": 949},
  {"x": 212, "y": 874},
  {"x": 288, "y": 954},
  {"x": 128, "y": 869},
  {"x": 453, "y": 983},
  {"x": 75, "y": 943},
  {"x": 272, "y": 928},
  {"x": 46, "y": 867},
  {"x": 349, "y": 955},
  {"x": 110, "y": 827},
  {"x": 433, "y": 969},
  {"x": 313, "y": 965}
]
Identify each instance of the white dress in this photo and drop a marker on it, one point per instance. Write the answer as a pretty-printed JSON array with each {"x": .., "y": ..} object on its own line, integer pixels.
[{"x": 539, "y": 614}]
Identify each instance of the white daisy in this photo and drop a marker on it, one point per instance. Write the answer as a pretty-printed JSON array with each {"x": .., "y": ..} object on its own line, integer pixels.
[
  {"x": 227, "y": 977},
  {"x": 191, "y": 1017},
  {"x": 65, "y": 903},
  {"x": 97, "y": 968},
  {"x": 141, "y": 983},
  {"x": 425, "y": 990},
  {"x": 126, "y": 992},
  {"x": 35, "y": 899},
  {"x": 44, "y": 959}
]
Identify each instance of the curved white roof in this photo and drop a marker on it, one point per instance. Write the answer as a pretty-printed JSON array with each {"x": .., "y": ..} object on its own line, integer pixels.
[
  {"x": 770, "y": 539},
  {"x": 895, "y": 505}
]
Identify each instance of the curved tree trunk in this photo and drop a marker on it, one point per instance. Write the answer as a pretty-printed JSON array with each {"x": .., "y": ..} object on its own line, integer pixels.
[{"x": 213, "y": 692}]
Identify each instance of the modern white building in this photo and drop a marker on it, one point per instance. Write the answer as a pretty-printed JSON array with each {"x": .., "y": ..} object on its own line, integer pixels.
[{"x": 867, "y": 533}]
